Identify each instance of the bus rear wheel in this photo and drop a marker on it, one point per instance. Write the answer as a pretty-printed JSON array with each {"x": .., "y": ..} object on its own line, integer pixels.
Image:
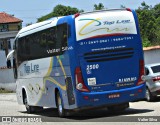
[{"x": 61, "y": 110}]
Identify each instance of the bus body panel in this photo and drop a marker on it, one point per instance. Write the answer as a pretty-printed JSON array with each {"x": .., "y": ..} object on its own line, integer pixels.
[
  {"x": 41, "y": 77},
  {"x": 108, "y": 98},
  {"x": 109, "y": 61},
  {"x": 112, "y": 68}
]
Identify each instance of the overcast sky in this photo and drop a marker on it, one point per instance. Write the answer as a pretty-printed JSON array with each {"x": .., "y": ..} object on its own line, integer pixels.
[{"x": 30, "y": 10}]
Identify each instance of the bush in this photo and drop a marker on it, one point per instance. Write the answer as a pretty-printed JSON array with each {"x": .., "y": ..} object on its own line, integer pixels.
[
  {"x": 146, "y": 42},
  {"x": 2, "y": 90}
]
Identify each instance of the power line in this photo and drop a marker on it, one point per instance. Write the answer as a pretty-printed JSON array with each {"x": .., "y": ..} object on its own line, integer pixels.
[
  {"x": 28, "y": 10},
  {"x": 29, "y": 17}
]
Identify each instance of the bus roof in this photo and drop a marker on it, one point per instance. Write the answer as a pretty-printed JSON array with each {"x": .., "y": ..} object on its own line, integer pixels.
[
  {"x": 97, "y": 11},
  {"x": 38, "y": 27}
]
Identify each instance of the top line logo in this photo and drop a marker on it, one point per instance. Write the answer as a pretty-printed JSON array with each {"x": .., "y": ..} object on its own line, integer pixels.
[{"x": 97, "y": 23}]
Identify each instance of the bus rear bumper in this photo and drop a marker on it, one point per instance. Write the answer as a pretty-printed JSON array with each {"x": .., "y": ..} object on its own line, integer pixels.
[{"x": 109, "y": 98}]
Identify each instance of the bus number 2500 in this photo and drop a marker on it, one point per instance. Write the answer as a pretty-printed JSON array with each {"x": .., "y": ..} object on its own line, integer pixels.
[{"x": 94, "y": 66}]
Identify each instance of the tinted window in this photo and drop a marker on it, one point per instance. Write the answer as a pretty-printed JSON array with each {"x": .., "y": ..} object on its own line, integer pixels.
[
  {"x": 45, "y": 43},
  {"x": 155, "y": 69}
]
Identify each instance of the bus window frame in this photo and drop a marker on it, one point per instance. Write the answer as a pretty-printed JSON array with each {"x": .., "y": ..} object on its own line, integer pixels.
[{"x": 28, "y": 57}]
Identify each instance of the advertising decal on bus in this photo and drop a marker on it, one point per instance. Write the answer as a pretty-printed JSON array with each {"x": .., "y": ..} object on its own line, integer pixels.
[{"x": 105, "y": 25}]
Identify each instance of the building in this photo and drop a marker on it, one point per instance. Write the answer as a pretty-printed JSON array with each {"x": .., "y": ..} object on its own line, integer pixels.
[
  {"x": 9, "y": 27},
  {"x": 152, "y": 54}
]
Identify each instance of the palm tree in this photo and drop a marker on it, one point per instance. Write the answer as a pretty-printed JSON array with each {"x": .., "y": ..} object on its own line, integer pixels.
[{"x": 100, "y": 6}]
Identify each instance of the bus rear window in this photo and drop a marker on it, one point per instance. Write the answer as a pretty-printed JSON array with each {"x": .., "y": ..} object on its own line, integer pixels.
[{"x": 106, "y": 23}]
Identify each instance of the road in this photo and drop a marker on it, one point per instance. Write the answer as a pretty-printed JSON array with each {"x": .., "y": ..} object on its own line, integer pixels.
[{"x": 141, "y": 109}]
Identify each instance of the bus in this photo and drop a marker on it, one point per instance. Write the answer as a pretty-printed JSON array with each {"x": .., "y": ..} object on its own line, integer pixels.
[{"x": 83, "y": 61}]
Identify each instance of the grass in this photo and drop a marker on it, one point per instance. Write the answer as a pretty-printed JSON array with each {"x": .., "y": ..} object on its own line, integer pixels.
[{"x": 2, "y": 90}]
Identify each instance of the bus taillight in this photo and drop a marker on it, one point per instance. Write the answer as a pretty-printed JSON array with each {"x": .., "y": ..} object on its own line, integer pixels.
[
  {"x": 79, "y": 81},
  {"x": 128, "y": 9},
  {"x": 76, "y": 15},
  {"x": 141, "y": 72}
]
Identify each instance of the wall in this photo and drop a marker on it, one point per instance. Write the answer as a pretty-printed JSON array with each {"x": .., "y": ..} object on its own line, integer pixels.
[
  {"x": 7, "y": 80},
  {"x": 152, "y": 55},
  {"x": 6, "y": 27},
  {"x": 2, "y": 58},
  {"x": 3, "y": 55}
]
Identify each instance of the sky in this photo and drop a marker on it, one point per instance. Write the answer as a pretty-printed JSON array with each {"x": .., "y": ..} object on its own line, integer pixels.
[{"x": 30, "y": 10}]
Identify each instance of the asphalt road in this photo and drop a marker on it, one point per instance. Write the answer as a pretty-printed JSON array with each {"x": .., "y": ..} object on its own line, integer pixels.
[{"x": 139, "y": 112}]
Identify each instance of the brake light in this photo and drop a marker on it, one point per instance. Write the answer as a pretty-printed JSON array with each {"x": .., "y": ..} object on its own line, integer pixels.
[
  {"x": 156, "y": 78},
  {"x": 128, "y": 9},
  {"x": 79, "y": 81},
  {"x": 76, "y": 15},
  {"x": 141, "y": 72}
]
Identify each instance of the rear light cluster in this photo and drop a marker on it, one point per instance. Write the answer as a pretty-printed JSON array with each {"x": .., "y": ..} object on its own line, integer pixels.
[
  {"x": 79, "y": 81},
  {"x": 128, "y": 9},
  {"x": 156, "y": 78},
  {"x": 141, "y": 72},
  {"x": 76, "y": 15}
]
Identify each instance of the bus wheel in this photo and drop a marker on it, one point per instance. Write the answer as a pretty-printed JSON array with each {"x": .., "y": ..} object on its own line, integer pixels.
[
  {"x": 61, "y": 110},
  {"x": 30, "y": 109},
  {"x": 149, "y": 96}
]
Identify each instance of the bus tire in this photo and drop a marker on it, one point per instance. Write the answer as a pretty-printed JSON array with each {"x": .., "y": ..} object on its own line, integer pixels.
[
  {"x": 61, "y": 110},
  {"x": 30, "y": 109},
  {"x": 149, "y": 96}
]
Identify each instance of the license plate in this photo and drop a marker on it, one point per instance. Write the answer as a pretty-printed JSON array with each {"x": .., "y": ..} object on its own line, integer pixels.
[
  {"x": 91, "y": 81},
  {"x": 117, "y": 95}
]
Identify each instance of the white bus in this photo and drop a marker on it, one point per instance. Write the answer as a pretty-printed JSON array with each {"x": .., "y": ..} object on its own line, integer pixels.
[{"x": 80, "y": 61}]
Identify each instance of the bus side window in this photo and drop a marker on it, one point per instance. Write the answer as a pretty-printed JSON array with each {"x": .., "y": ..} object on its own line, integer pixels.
[
  {"x": 64, "y": 43},
  {"x": 62, "y": 32},
  {"x": 28, "y": 44},
  {"x": 23, "y": 48},
  {"x": 51, "y": 38},
  {"x": 51, "y": 41},
  {"x": 68, "y": 30}
]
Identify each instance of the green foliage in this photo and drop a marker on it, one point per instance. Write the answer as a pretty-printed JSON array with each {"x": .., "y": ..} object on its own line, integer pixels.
[
  {"x": 122, "y": 6},
  {"x": 157, "y": 10},
  {"x": 2, "y": 90},
  {"x": 29, "y": 24},
  {"x": 149, "y": 21},
  {"x": 100, "y": 6},
  {"x": 60, "y": 10},
  {"x": 146, "y": 42}
]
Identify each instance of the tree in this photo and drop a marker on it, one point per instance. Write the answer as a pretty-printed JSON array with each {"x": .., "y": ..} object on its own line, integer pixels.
[
  {"x": 100, "y": 6},
  {"x": 157, "y": 10},
  {"x": 28, "y": 24},
  {"x": 60, "y": 10},
  {"x": 149, "y": 24},
  {"x": 144, "y": 6},
  {"x": 122, "y": 6}
]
